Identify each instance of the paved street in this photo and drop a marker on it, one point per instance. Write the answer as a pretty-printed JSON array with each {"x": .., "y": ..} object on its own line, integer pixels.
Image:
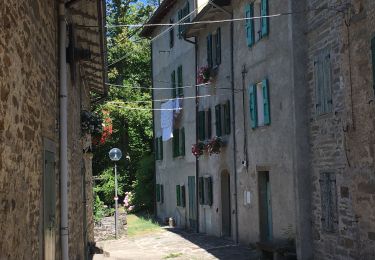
[{"x": 173, "y": 244}]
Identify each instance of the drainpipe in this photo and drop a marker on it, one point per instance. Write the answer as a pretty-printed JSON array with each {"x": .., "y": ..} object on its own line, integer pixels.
[
  {"x": 63, "y": 136},
  {"x": 153, "y": 128},
  {"x": 234, "y": 129}
]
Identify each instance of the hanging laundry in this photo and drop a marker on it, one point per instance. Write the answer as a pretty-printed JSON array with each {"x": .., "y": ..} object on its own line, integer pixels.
[
  {"x": 166, "y": 120},
  {"x": 177, "y": 106}
]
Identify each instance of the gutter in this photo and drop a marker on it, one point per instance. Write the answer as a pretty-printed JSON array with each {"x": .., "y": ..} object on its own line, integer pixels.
[{"x": 64, "y": 232}]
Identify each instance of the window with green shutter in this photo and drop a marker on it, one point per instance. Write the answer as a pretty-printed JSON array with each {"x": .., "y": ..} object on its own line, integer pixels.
[
  {"x": 208, "y": 191},
  {"x": 180, "y": 90},
  {"x": 264, "y": 22},
  {"x": 209, "y": 51},
  {"x": 178, "y": 195},
  {"x": 323, "y": 91},
  {"x": 175, "y": 142},
  {"x": 183, "y": 196},
  {"x": 266, "y": 102},
  {"x": 226, "y": 109},
  {"x": 373, "y": 62},
  {"x": 253, "y": 106},
  {"x": 249, "y": 25},
  {"x": 208, "y": 128},
  {"x": 158, "y": 148},
  {"x": 171, "y": 34},
  {"x": 201, "y": 125},
  {"x": 181, "y": 144},
  {"x": 158, "y": 192},
  {"x": 218, "y": 120},
  {"x": 173, "y": 84},
  {"x": 201, "y": 190},
  {"x": 218, "y": 46},
  {"x": 180, "y": 16}
]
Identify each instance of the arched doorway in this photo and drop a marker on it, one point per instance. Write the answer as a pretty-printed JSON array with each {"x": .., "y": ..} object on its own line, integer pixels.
[{"x": 225, "y": 205}]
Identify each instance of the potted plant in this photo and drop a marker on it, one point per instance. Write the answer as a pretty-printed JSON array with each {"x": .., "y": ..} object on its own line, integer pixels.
[
  {"x": 197, "y": 149},
  {"x": 214, "y": 145},
  {"x": 204, "y": 75}
]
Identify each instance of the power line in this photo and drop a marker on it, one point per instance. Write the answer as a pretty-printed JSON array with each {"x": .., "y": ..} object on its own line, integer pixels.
[{"x": 163, "y": 88}]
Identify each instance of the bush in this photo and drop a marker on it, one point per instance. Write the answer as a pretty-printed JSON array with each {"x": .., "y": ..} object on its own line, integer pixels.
[{"x": 99, "y": 211}]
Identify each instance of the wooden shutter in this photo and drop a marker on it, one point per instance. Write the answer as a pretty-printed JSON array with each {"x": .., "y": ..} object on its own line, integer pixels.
[
  {"x": 209, "y": 126},
  {"x": 318, "y": 75},
  {"x": 173, "y": 84},
  {"x": 161, "y": 193},
  {"x": 249, "y": 24},
  {"x": 326, "y": 59},
  {"x": 158, "y": 192},
  {"x": 183, "y": 196},
  {"x": 264, "y": 20},
  {"x": 373, "y": 62},
  {"x": 218, "y": 46},
  {"x": 328, "y": 196},
  {"x": 201, "y": 125},
  {"x": 218, "y": 120},
  {"x": 209, "y": 192},
  {"x": 227, "y": 118},
  {"x": 171, "y": 34},
  {"x": 201, "y": 190},
  {"x": 180, "y": 90},
  {"x": 253, "y": 106},
  {"x": 182, "y": 142},
  {"x": 178, "y": 195},
  {"x": 266, "y": 102},
  {"x": 175, "y": 142},
  {"x": 209, "y": 51}
]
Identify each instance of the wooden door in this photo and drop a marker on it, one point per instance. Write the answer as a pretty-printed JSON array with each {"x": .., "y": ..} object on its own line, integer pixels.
[{"x": 265, "y": 209}]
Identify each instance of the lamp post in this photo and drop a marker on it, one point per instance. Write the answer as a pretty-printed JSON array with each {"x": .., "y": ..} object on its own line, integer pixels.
[{"x": 115, "y": 155}]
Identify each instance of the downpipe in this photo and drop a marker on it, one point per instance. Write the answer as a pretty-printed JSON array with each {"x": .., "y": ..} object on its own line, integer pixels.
[{"x": 64, "y": 232}]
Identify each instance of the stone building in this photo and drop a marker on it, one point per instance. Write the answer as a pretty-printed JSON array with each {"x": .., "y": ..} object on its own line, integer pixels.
[
  {"x": 40, "y": 125},
  {"x": 340, "y": 71},
  {"x": 173, "y": 76}
]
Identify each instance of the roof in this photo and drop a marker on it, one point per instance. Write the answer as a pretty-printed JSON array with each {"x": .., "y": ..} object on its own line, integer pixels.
[{"x": 157, "y": 16}]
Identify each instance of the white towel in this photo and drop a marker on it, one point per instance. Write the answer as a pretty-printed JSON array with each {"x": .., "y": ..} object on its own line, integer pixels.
[{"x": 166, "y": 120}]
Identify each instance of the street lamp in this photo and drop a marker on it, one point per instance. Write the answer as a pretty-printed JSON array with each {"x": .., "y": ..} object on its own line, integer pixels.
[{"x": 115, "y": 155}]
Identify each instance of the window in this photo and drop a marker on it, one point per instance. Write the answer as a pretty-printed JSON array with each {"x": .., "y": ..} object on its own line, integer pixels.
[
  {"x": 373, "y": 62},
  {"x": 328, "y": 196},
  {"x": 178, "y": 142},
  {"x": 323, "y": 92},
  {"x": 256, "y": 28},
  {"x": 180, "y": 195},
  {"x": 158, "y": 149},
  {"x": 177, "y": 90},
  {"x": 173, "y": 84},
  {"x": 204, "y": 125},
  {"x": 205, "y": 190},
  {"x": 214, "y": 49},
  {"x": 171, "y": 34},
  {"x": 222, "y": 117},
  {"x": 259, "y": 104},
  {"x": 181, "y": 14},
  {"x": 160, "y": 193}
]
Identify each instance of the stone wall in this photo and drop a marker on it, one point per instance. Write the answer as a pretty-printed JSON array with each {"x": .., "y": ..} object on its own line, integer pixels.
[{"x": 342, "y": 142}]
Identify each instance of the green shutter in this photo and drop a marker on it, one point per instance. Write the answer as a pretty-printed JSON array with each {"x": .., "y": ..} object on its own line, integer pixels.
[
  {"x": 178, "y": 195},
  {"x": 209, "y": 51},
  {"x": 183, "y": 196},
  {"x": 171, "y": 34},
  {"x": 373, "y": 62},
  {"x": 218, "y": 46},
  {"x": 201, "y": 126},
  {"x": 180, "y": 90},
  {"x": 161, "y": 193},
  {"x": 253, "y": 106},
  {"x": 180, "y": 15},
  {"x": 175, "y": 142},
  {"x": 158, "y": 192},
  {"x": 173, "y": 84},
  {"x": 209, "y": 126},
  {"x": 327, "y": 82},
  {"x": 264, "y": 20},
  {"x": 209, "y": 192},
  {"x": 227, "y": 118},
  {"x": 266, "y": 102},
  {"x": 249, "y": 24},
  {"x": 182, "y": 142},
  {"x": 218, "y": 119},
  {"x": 160, "y": 148},
  {"x": 201, "y": 190},
  {"x": 156, "y": 145}
]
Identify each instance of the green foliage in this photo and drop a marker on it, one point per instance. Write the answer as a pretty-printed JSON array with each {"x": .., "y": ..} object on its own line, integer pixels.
[
  {"x": 105, "y": 189},
  {"x": 99, "y": 211},
  {"x": 140, "y": 225},
  {"x": 143, "y": 185},
  {"x": 129, "y": 58}
]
